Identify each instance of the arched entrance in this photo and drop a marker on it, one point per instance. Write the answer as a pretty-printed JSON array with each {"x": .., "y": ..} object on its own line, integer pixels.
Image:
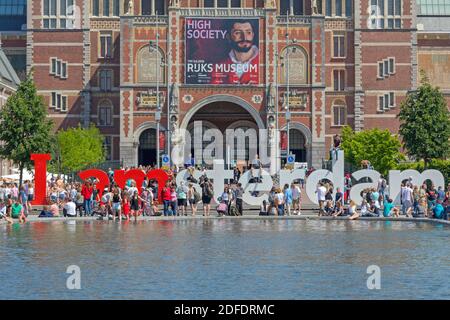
[
  {"x": 297, "y": 146},
  {"x": 147, "y": 147},
  {"x": 224, "y": 114},
  {"x": 299, "y": 141}
]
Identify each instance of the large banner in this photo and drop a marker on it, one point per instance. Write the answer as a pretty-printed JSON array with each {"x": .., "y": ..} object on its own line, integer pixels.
[{"x": 222, "y": 51}]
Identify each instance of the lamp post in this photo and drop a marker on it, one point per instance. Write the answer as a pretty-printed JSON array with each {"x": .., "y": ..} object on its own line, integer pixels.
[
  {"x": 158, "y": 119},
  {"x": 155, "y": 48}
]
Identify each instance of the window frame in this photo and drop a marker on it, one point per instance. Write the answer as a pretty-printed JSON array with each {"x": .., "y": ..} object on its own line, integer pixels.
[
  {"x": 102, "y": 76},
  {"x": 340, "y": 105},
  {"x": 107, "y": 34},
  {"x": 58, "y": 18},
  {"x": 105, "y": 105},
  {"x": 342, "y": 35},
  {"x": 341, "y": 77}
]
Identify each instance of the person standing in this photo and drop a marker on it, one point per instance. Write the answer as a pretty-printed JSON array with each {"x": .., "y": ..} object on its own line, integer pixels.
[
  {"x": 194, "y": 198},
  {"x": 239, "y": 193},
  {"x": 87, "y": 191},
  {"x": 407, "y": 197},
  {"x": 279, "y": 201},
  {"x": 134, "y": 205},
  {"x": 166, "y": 196},
  {"x": 321, "y": 192},
  {"x": 116, "y": 205},
  {"x": 287, "y": 199},
  {"x": 173, "y": 200},
  {"x": 296, "y": 198},
  {"x": 23, "y": 199},
  {"x": 207, "y": 194},
  {"x": 236, "y": 175},
  {"x": 182, "y": 193}
]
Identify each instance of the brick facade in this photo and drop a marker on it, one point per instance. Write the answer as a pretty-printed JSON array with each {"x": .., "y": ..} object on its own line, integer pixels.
[{"x": 364, "y": 50}]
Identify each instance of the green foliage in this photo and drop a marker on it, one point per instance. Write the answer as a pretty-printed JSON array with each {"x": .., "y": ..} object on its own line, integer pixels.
[
  {"x": 441, "y": 165},
  {"x": 378, "y": 146},
  {"x": 79, "y": 148},
  {"x": 425, "y": 123},
  {"x": 25, "y": 128}
]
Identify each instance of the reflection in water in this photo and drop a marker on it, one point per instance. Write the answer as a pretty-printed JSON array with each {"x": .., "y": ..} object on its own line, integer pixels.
[{"x": 225, "y": 259}]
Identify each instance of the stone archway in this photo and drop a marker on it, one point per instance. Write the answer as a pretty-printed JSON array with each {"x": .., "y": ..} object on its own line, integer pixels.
[
  {"x": 223, "y": 98},
  {"x": 223, "y": 113},
  {"x": 306, "y": 137},
  {"x": 144, "y": 138}
]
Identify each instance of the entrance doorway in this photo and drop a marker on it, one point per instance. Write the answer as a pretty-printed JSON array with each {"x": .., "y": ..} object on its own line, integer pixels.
[
  {"x": 222, "y": 116},
  {"x": 147, "y": 148},
  {"x": 297, "y": 145}
]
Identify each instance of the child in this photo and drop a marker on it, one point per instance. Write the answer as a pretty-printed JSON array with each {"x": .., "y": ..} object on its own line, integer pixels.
[
  {"x": 263, "y": 209},
  {"x": 364, "y": 208},
  {"x": 126, "y": 207}
]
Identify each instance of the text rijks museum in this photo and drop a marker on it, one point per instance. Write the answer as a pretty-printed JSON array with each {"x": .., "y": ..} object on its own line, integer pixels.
[{"x": 142, "y": 69}]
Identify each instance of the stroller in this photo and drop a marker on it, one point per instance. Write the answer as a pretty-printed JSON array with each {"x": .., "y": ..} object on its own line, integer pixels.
[{"x": 233, "y": 210}]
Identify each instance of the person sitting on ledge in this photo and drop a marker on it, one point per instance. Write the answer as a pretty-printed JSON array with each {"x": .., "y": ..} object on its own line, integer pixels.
[
  {"x": 352, "y": 211},
  {"x": 328, "y": 209},
  {"x": 389, "y": 209},
  {"x": 338, "y": 209},
  {"x": 45, "y": 213},
  {"x": 3, "y": 214},
  {"x": 17, "y": 212},
  {"x": 438, "y": 210}
]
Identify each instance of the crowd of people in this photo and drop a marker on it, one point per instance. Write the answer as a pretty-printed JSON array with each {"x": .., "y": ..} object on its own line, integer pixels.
[
  {"x": 417, "y": 202},
  {"x": 84, "y": 199}
]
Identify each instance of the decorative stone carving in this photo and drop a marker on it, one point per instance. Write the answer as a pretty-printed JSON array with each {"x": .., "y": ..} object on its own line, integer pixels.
[
  {"x": 130, "y": 9},
  {"x": 270, "y": 4},
  {"x": 175, "y": 3},
  {"x": 315, "y": 10},
  {"x": 270, "y": 107},
  {"x": 187, "y": 98},
  {"x": 173, "y": 103}
]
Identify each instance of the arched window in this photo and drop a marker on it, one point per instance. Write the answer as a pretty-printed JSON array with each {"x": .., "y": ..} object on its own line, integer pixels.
[
  {"x": 339, "y": 113},
  {"x": 105, "y": 113},
  {"x": 148, "y": 60},
  {"x": 294, "y": 58}
]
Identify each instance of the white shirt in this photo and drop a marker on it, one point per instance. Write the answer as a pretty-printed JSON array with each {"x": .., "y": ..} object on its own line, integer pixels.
[
  {"x": 406, "y": 194},
  {"x": 321, "y": 192},
  {"x": 131, "y": 191},
  {"x": 70, "y": 208},
  {"x": 280, "y": 197}
]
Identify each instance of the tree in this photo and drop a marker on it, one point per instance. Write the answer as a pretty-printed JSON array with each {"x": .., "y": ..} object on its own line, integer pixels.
[
  {"x": 79, "y": 148},
  {"x": 25, "y": 128},
  {"x": 425, "y": 123},
  {"x": 380, "y": 147}
]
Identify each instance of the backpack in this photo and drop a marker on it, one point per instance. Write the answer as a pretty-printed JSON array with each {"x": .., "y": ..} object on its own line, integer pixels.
[
  {"x": 196, "y": 196},
  {"x": 208, "y": 191},
  {"x": 233, "y": 211}
]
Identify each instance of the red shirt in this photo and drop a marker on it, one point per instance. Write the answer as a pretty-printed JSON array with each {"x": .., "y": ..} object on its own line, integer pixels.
[
  {"x": 86, "y": 192},
  {"x": 249, "y": 77},
  {"x": 166, "y": 194}
]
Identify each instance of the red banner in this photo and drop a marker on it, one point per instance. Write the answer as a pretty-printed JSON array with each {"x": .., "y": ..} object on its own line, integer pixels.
[
  {"x": 283, "y": 140},
  {"x": 162, "y": 141}
]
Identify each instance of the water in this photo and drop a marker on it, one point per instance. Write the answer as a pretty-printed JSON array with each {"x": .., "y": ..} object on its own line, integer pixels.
[{"x": 225, "y": 259}]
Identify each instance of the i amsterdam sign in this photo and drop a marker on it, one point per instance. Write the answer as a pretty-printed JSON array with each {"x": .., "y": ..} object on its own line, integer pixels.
[{"x": 219, "y": 174}]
